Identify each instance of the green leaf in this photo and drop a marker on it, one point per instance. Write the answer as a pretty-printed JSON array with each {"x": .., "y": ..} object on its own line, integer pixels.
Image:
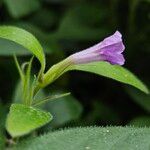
[
  {"x": 142, "y": 121},
  {"x": 22, "y": 119},
  {"x": 8, "y": 48},
  {"x": 91, "y": 138},
  {"x": 25, "y": 39},
  {"x": 20, "y": 8},
  {"x": 142, "y": 99},
  {"x": 49, "y": 43},
  {"x": 112, "y": 71}
]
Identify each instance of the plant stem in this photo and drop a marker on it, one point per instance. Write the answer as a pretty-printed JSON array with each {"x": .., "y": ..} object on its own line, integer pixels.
[{"x": 49, "y": 99}]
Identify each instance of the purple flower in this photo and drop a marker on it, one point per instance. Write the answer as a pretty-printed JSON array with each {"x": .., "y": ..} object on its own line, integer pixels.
[{"x": 110, "y": 50}]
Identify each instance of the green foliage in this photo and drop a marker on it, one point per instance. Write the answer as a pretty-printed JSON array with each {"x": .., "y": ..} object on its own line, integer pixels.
[
  {"x": 8, "y": 48},
  {"x": 17, "y": 94},
  {"x": 22, "y": 119},
  {"x": 63, "y": 107},
  {"x": 64, "y": 110},
  {"x": 29, "y": 90},
  {"x": 44, "y": 18},
  {"x": 112, "y": 71},
  {"x": 64, "y": 27},
  {"x": 140, "y": 98},
  {"x": 20, "y": 8},
  {"x": 105, "y": 69},
  {"x": 25, "y": 39},
  {"x": 96, "y": 138},
  {"x": 78, "y": 18},
  {"x": 49, "y": 43}
]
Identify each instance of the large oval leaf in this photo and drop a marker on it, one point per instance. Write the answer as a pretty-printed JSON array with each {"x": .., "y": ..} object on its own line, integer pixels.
[
  {"x": 91, "y": 138},
  {"x": 112, "y": 71},
  {"x": 25, "y": 39},
  {"x": 24, "y": 119}
]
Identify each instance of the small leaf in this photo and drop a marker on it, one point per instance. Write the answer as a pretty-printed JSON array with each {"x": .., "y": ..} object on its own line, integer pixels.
[
  {"x": 112, "y": 71},
  {"x": 20, "y": 8},
  {"x": 25, "y": 39},
  {"x": 22, "y": 119},
  {"x": 91, "y": 138}
]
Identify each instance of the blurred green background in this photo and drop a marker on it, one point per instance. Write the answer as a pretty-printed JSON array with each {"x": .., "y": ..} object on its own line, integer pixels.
[{"x": 67, "y": 26}]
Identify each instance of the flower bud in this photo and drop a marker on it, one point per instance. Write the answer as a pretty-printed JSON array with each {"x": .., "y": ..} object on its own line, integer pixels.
[{"x": 110, "y": 50}]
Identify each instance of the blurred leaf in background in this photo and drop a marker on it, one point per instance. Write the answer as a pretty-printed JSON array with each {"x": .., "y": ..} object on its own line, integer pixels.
[
  {"x": 21, "y": 8},
  {"x": 45, "y": 18},
  {"x": 64, "y": 110},
  {"x": 2, "y": 125},
  {"x": 102, "y": 113},
  {"x": 141, "y": 121},
  {"x": 83, "y": 22},
  {"x": 140, "y": 98}
]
